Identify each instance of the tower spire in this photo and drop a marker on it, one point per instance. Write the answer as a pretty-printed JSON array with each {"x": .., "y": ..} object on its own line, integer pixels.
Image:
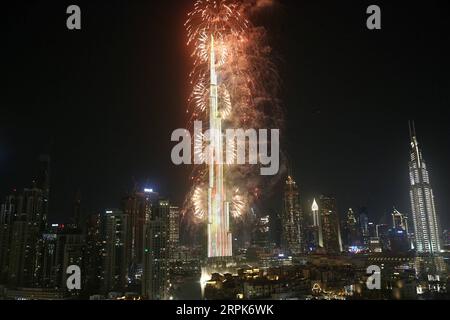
[{"x": 412, "y": 129}]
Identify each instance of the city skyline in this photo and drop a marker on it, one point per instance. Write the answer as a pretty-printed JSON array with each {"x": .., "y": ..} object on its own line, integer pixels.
[
  {"x": 294, "y": 208},
  {"x": 43, "y": 165},
  {"x": 107, "y": 104}
]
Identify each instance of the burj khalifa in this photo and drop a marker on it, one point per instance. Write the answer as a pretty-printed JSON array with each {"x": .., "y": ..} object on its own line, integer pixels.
[{"x": 219, "y": 235}]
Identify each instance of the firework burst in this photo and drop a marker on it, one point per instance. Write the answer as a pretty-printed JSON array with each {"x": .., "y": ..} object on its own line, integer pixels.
[{"x": 247, "y": 92}]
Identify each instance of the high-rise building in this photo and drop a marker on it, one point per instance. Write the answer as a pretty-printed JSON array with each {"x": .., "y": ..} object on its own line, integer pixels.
[
  {"x": 63, "y": 245},
  {"x": 372, "y": 228},
  {"x": 73, "y": 252},
  {"x": 383, "y": 235},
  {"x": 116, "y": 250},
  {"x": 77, "y": 210},
  {"x": 23, "y": 216},
  {"x": 399, "y": 238},
  {"x": 155, "y": 281},
  {"x": 173, "y": 230},
  {"x": 351, "y": 231},
  {"x": 332, "y": 241},
  {"x": 219, "y": 235},
  {"x": 138, "y": 206},
  {"x": 7, "y": 216},
  {"x": 49, "y": 266},
  {"x": 42, "y": 182},
  {"x": 426, "y": 228},
  {"x": 363, "y": 220},
  {"x": 19, "y": 255},
  {"x": 293, "y": 237},
  {"x": 373, "y": 241},
  {"x": 446, "y": 239},
  {"x": 316, "y": 240},
  {"x": 261, "y": 232},
  {"x": 93, "y": 254},
  {"x": 398, "y": 241}
]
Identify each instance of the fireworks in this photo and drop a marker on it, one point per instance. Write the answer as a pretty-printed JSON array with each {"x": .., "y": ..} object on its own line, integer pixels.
[
  {"x": 247, "y": 90},
  {"x": 199, "y": 202}
]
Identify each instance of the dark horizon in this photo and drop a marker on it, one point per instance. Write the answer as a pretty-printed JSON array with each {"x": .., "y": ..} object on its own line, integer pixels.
[{"x": 103, "y": 101}]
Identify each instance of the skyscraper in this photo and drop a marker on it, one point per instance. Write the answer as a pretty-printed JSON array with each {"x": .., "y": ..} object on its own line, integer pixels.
[
  {"x": 7, "y": 216},
  {"x": 261, "y": 231},
  {"x": 426, "y": 228},
  {"x": 399, "y": 240},
  {"x": 77, "y": 210},
  {"x": 351, "y": 231},
  {"x": 363, "y": 220},
  {"x": 219, "y": 235},
  {"x": 94, "y": 249},
  {"x": 383, "y": 235},
  {"x": 25, "y": 216},
  {"x": 173, "y": 230},
  {"x": 49, "y": 258},
  {"x": 155, "y": 281},
  {"x": 292, "y": 219},
  {"x": 138, "y": 206},
  {"x": 330, "y": 224},
  {"x": 73, "y": 248},
  {"x": 316, "y": 226},
  {"x": 117, "y": 256},
  {"x": 399, "y": 221},
  {"x": 43, "y": 183}
]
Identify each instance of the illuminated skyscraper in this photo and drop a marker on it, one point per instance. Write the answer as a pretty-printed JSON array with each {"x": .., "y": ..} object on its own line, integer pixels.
[
  {"x": 426, "y": 229},
  {"x": 219, "y": 235},
  {"x": 292, "y": 219},
  {"x": 317, "y": 225},
  {"x": 173, "y": 230}
]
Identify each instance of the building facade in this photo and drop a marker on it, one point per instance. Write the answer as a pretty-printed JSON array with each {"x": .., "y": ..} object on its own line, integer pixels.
[
  {"x": 331, "y": 232},
  {"x": 426, "y": 228},
  {"x": 292, "y": 219}
]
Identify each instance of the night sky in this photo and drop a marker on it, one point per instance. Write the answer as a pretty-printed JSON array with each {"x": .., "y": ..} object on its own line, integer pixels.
[{"x": 103, "y": 101}]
